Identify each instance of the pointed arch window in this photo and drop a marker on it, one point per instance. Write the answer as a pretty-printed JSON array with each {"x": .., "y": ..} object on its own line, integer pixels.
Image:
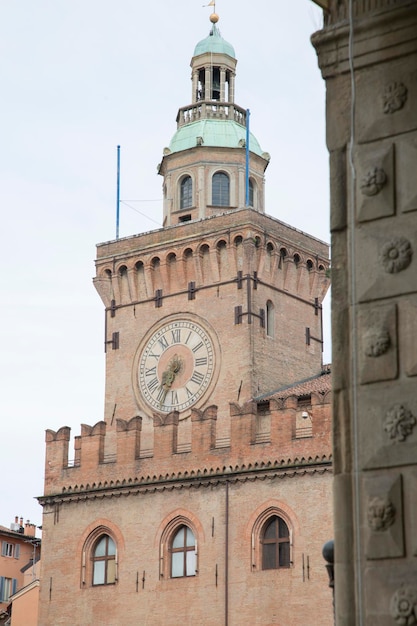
[
  {"x": 220, "y": 190},
  {"x": 103, "y": 558},
  {"x": 183, "y": 553},
  {"x": 186, "y": 193},
  {"x": 275, "y": 541}
]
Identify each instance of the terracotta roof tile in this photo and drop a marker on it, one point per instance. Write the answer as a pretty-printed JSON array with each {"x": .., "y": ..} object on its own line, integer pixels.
[{"x": 321, "y": 383}]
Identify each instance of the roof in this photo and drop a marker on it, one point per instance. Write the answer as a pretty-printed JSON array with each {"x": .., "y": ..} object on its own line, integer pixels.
[
  {"x": 218, "y": 133},
  {"x": 214, "y": 43},
  {"x": 320, "y": 383}
]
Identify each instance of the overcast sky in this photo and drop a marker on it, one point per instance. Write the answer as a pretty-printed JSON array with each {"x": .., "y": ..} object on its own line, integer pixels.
[{"x": 78, "y": 78}]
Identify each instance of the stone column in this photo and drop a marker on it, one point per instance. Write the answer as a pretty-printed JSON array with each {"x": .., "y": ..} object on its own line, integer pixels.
[
  {"x": 208, "y": 83},
  {"x": 232, "y": 87},
  {"x": 368, "y": 57},
  {"x": 194, "y": 86},
  {"x": 222, "y": 84}
]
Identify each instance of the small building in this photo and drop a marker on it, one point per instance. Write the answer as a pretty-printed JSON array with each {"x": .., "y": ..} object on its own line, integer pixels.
[{"x": 19, "y": 566}]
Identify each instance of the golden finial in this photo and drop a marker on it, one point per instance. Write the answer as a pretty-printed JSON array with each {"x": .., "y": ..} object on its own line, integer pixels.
[{"x": 214, "y": 18}]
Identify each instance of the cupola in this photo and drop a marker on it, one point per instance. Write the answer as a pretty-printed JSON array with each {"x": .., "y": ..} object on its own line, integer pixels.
[{"x": 204, "y": 166}]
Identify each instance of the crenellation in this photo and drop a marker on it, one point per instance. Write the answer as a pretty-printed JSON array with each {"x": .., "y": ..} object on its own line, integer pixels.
[
  {"x": 165, "y": 434},
  {"x": 128, "y": 440},
  {"x": 256, "y": 429},
  {"x": 92, "y": 445},
  {"x": 203, "y": 430},
  {"x": 56, "y": 456}
]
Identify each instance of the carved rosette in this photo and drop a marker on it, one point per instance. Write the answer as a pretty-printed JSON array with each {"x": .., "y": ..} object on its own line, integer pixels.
[
  {"x": 396, "y": 255},
  {"x": 377, "y": 341},
  {"x": 404, "y": 606},
  {"x": 381, "y": 514},
  {"x": 394, "y": 97},
  {"x": 399, "y": 423},
  {"x": 373, "y": 181}
]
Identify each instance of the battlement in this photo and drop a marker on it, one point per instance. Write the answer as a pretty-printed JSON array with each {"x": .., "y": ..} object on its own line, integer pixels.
[{"x": 283, "y": 429}]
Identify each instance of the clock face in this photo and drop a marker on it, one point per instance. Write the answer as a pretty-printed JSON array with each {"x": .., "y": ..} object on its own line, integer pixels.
[{"x": 176, "y": 366}]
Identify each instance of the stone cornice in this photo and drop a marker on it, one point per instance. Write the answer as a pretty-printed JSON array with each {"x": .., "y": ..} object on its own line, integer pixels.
[
  {"x": 193, "y": 479},
  {"x": 395, "y": 21}
]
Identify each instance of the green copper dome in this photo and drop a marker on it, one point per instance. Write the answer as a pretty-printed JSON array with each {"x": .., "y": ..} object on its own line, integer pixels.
[
  {"x": 219, "y": 133},
  {"x": 214, "y": 43}
]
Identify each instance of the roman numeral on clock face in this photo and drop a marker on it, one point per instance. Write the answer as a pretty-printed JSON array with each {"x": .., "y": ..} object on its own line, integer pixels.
[
  {"x": 163, "y": 343},
  {"x": 197, "y": 378},
  {"x": 153, "y": 384}
]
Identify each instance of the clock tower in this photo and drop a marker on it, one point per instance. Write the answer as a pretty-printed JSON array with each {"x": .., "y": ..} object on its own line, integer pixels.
[
  {"x": 223, "y": 304},
  {"x": 206, "y": 489}
]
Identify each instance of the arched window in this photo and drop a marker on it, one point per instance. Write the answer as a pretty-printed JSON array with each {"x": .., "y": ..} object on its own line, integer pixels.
[
  {"x": 251, "y": 193},
  {"x": 183, "y": 553},
  {"x": 220, "y": 190},
  {"x": 275, "y": 541},
  {"x": 186, "y": 200},
  {"x": 269, "y": 319},
  {"x": 103, "y": 558}
]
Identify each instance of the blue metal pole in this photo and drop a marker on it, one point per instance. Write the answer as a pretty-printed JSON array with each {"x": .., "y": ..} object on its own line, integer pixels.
[
  {"x": 247, "y": 157},
  {"x": 118, "y": 193}
]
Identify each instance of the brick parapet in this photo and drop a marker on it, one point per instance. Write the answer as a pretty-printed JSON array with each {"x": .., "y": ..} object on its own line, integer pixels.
[
  {"x": 129, "y": 271},
  {"x": 256, "y": 437}
]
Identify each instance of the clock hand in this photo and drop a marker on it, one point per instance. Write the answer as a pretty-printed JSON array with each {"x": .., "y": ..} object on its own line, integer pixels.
[{"x": 168, "y": 376}]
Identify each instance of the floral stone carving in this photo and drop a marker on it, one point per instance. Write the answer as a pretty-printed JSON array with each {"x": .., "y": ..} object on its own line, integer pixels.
[
  {"x": 396, "y": 254},
  {"x": 399, "y": 423},
  {"x": 394, "y": 98},
  {"x": 373, "y": 181},
  {"x": 377, "y": 341},
  {"x": 381, "y": 514},
  {"x": 404, "y": 606}
]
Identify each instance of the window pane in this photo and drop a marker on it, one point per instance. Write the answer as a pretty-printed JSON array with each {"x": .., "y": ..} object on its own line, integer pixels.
[
  {"x": 111, "y": 571},
  {"x": 220, "y": 189},
  {"x": 271, "y": 529},
  {"x": 190, "y": 538},
  {"x": 98, "y": 574},
  {"x": 283, "y": 528},
  {"x": 100, "y": 547},
  {"x": 179, "y": 538},
  {"x": 186, "y": 193},
  {"x": 191, "y": 563},
  {"x": 284, "y": 554},
  {"x": 268, "y": 556},
  {"x": 177, "y": 564},
  {"x": 111, "y": 548}
]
